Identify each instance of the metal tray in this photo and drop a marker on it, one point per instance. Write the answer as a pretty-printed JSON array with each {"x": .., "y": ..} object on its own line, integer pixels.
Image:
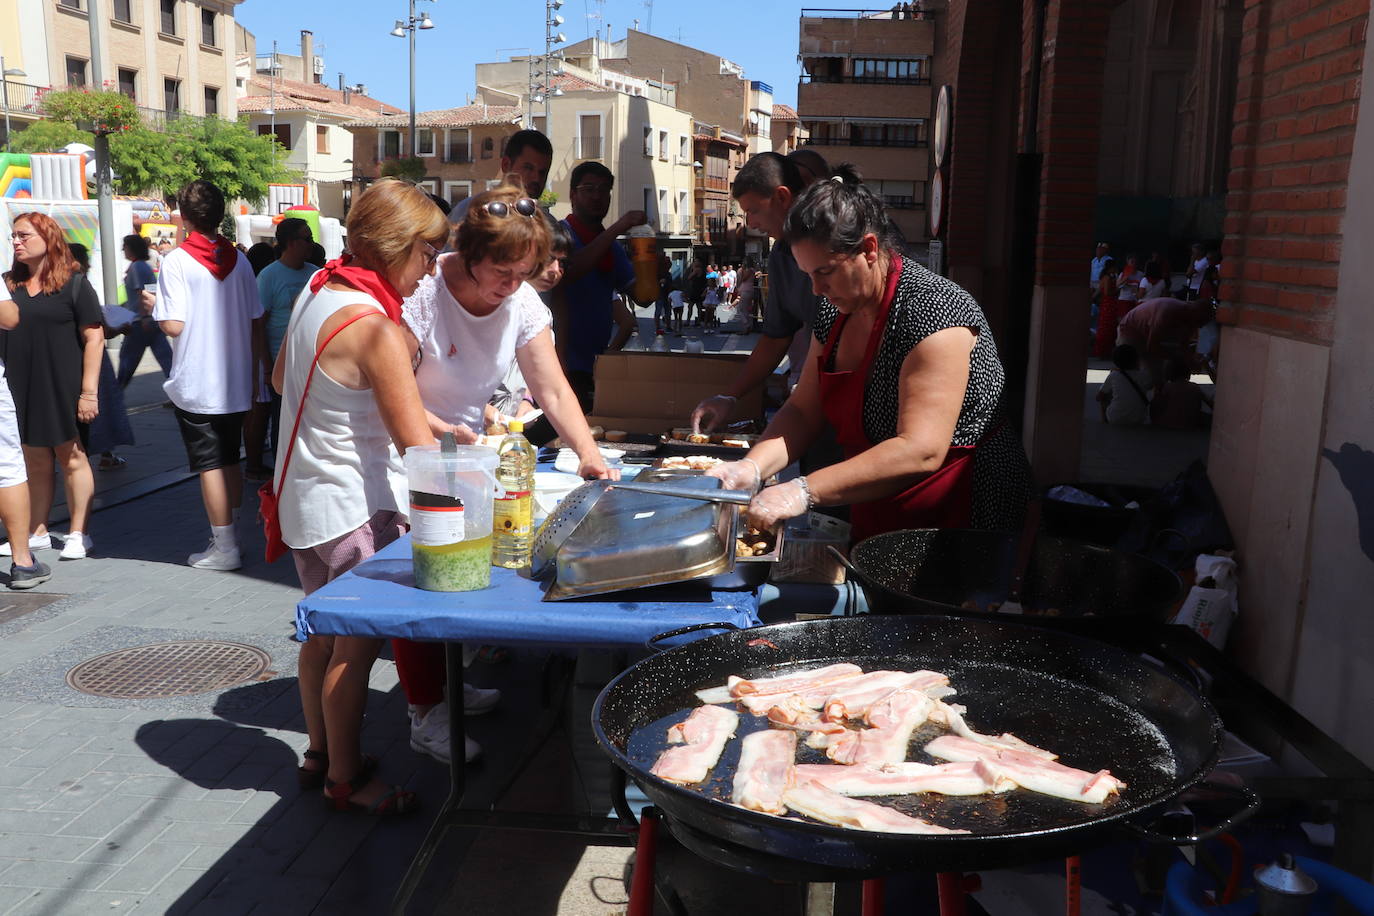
[{"x": 631, "y": 540}]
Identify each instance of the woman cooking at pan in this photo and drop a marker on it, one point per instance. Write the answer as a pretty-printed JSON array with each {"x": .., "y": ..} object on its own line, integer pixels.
[{"x": 903, "y": 367}]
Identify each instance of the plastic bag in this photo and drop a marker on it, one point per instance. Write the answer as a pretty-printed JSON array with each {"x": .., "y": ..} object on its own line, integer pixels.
[{"x": 1211, "y": 604}]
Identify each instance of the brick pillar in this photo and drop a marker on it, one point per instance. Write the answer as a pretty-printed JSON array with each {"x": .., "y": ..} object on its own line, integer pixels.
[{"x": 1070, "y": 105}]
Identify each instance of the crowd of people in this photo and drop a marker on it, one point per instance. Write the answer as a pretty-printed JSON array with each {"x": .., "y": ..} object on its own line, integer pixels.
[
  {"x": 1156, "y": 335},
  {"x": 440, "y": 320}
]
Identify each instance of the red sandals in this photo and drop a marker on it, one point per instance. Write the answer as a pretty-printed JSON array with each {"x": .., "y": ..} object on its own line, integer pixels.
[
  {"x": 339, "y": 796},
  {"x": 314, "y": 779}
]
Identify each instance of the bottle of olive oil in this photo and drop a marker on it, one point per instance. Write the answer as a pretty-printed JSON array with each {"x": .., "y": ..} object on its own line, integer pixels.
[{"x": 512, "y": 513}]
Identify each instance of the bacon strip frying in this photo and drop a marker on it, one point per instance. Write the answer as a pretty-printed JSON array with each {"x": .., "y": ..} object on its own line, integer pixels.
[
  {"x": 701, "y": 739},
  {"x": 1048, "y": 777},
  {"x": 964, "y": 778},
  {"x": 765, "y": 770},
  {"x": 800, "y": 682},
  {"x": 891, "y": 721},
  {"x": 816, "y": 801}
]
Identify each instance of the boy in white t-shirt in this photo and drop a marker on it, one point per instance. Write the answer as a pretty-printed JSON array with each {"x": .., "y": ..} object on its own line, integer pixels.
[{"x": 208, "y": 305}]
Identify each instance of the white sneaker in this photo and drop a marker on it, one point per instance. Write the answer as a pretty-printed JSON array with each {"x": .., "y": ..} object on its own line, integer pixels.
[
  {"x": 36, "y": 542},
  {"x": 430, "y": 735},
  {"x": 477, "y": 700},
  {"x": 75, "y": 545},
  {"x": 214, "y": 558}
]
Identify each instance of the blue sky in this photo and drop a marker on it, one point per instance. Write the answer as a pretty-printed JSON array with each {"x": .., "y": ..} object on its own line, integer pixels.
[{"x": 351, "y": 36}]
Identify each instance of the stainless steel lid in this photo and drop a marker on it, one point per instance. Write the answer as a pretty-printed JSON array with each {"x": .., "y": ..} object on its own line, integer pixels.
[{"x": 630, "y": 540}]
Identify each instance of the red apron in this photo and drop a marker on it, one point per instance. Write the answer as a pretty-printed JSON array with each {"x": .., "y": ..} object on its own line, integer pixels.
[{"x": 943, "y": 499}]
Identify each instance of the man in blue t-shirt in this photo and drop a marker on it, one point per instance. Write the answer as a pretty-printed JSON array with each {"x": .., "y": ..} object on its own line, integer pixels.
[
  {"x": 586, "y": 307},
  {"x": 278, "y": 286}
]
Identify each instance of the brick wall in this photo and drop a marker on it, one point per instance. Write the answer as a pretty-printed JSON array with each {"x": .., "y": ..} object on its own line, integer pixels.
[
  {"x": 1070, "y": 110},
  {"x": 1299, "y": 86}
]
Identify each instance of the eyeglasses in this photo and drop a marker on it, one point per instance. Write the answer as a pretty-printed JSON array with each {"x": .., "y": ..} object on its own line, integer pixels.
[
  {"x": 525, "y": 206},
  {"x": 431, "y": 257},
  {"x": 21, "y": 236},
  {"x": 599, "y": 190}
]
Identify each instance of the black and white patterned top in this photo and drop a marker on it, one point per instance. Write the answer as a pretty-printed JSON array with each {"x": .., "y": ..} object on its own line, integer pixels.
[{"x": 923, "y": 304}]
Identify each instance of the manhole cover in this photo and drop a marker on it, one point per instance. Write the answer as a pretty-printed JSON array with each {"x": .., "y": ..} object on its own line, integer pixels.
[{"x": 169, "y": 669}]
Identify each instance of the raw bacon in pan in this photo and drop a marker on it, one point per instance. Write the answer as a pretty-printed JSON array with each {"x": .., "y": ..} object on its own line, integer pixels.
[
  {"x": 700, "y": 740},
  {"x": 816, "y": 801},
  {"x": 765, "y": 770},
  {"x": 964, "y": 778},
  {"x": 1048, "y": 777}
]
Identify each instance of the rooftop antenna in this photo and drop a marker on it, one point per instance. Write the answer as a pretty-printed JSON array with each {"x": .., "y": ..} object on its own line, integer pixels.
[
  {"x": 598, "y": 15},
  {"x": 649, "y": 22}
]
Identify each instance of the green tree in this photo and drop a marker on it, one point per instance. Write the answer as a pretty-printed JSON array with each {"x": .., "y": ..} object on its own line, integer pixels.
[
  {"x": 548, "y": 199},
  {"x": 405, "y": 168},
  {"x": 228, "y": 154},
  {"x": 47, "y": 136}
]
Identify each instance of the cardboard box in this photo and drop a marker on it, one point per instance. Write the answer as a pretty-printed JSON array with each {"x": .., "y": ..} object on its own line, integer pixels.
[{"x": 644, "y": 392}]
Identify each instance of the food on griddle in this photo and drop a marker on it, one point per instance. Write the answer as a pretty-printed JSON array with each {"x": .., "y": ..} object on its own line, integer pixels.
[
  {"x": 691, "y": 463},
  {"x": 764, "y": 771},
  {"x": 963, "y": 778},
  {"x": 791, "y": 683},
  {"x": 698, "y": 743},
  {"x": 865, "y": 722},
  {"x": 698, "y": 438},
  {"x": 1047, "y": 777},
  {"x": 735, "y": 443},
  {"x": 891, "y": 722},
  {"x": 816, "y": 801},
  {"x": 616, "y": 435}
]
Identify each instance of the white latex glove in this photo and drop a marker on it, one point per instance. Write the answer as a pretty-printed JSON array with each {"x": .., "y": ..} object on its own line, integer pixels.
[
  {"x": 776, "y": 503},
  {"x": 737, "y": 475},
  {"x": 712, "y": 412}
]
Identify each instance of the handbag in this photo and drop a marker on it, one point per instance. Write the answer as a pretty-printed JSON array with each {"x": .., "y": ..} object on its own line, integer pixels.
[{"x": 268, "y": 498}]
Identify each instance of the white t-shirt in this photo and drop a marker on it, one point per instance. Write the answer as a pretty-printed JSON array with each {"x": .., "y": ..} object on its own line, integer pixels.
[
  {"x": 1127, "y": 407},
  {"x": 1153, "y": 290},
  {"x": 463, "y": 357},
  {"x": 212, "y": 358},
  {"x": 1199, "y": 271}
]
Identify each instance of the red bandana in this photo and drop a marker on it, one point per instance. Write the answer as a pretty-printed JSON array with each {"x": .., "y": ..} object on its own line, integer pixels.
[
  {"x": 218, "y": 255},
  {"x": 586, "y": 235},
  {"x": 369, "y": 281}
]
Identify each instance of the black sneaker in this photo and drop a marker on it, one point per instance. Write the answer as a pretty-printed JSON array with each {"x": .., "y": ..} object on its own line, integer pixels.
[{"x": 29, "y": 576}]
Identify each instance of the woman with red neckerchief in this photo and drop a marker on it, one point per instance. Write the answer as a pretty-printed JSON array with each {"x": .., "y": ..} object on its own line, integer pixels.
[
  {"x": 341, "y": 488},
  {"x": 904, "y": 369}
]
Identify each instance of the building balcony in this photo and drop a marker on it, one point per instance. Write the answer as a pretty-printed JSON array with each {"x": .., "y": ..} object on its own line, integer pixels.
[
  {"x": 709, "y": 183},
  {"x": 865, "y": 33},
  {"x": 860, "y": 141},
  {"x": 22, "y": 100},
  {"x": 865, "y": 80}
]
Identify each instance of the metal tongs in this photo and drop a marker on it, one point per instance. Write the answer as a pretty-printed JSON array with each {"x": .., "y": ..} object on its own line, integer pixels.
[{"x": 733, "y": 497}]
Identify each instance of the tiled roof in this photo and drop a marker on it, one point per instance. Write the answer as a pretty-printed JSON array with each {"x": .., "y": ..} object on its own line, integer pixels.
[
  {"x": 467, "y": 116},
  {"x": 570, "y": 82},
  {"x": 294, "y": 95},
  {"x": 784, "y": 113}
]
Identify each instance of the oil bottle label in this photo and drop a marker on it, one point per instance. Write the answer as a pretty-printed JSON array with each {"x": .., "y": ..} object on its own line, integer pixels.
[
  {"x": 435, "y": 521},
  {"x": 512, "y": 513}
]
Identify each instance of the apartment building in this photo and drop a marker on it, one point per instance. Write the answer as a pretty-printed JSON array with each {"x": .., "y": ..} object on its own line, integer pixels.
[
  {"x": 171, "y": 56},
  {"x": 865, "y": 98},
  {"x": 720, "y": 230},
  {"x": 460, "y": 147}
]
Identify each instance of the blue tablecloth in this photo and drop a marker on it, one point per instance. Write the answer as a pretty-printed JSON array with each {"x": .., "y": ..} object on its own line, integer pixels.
[{"x": 378, "y": 598}]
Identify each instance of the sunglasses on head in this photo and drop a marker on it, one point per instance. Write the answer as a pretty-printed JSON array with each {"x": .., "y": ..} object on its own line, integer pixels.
[{"x": 525, "y": 206}]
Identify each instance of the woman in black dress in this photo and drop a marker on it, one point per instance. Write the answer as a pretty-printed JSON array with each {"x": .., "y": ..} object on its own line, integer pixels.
[{"x": 52, "y": 364}]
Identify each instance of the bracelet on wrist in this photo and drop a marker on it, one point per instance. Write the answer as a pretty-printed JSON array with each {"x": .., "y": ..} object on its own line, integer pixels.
[
  {"x": 88, "y": 397},
  {"x": 806, "y": 491}
]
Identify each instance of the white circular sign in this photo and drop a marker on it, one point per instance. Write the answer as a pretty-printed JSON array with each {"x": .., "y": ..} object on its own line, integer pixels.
[
  {"x": 937, "y": 202},
  {"x": 939, "y": 143}
]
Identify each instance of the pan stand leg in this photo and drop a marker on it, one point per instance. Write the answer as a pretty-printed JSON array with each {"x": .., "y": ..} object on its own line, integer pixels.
[
  {"x": 872, "y": 904},
  {"x": 646, "y": 850},
  {"x": 954, "y": 887},
  {"x": 1073, "y": 887},
  {"x": 820, "y": 900}
]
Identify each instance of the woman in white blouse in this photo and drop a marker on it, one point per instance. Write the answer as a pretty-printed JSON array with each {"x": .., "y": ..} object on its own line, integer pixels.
[
  {"x": 479, "y": 315},
  {"x": 471, "y": 322}
]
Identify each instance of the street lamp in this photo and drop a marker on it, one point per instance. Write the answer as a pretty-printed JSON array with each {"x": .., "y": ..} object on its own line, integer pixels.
[
  {"x": 403, "y": 28},
  {"x": 5, "y": 85}
]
